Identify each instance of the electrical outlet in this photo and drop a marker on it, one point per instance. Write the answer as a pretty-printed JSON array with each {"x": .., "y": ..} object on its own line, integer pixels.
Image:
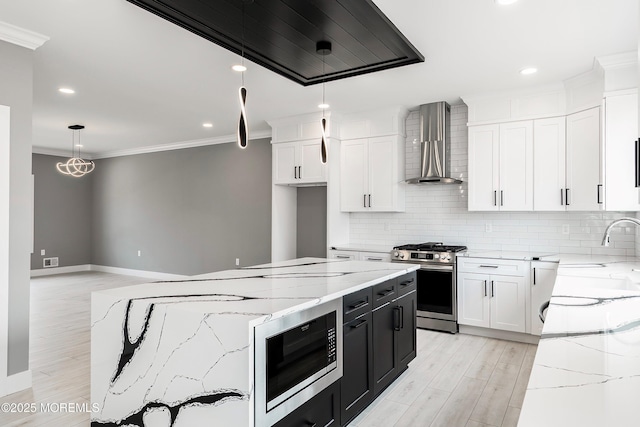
[
  {"x": 565, "y": 228},
  {"x": 237, "y": 261},
  {"x": 139, "y": 252},
  {"x": 488, "y": 227},
  {"x": 50, "y": 262},
  {"x": 42, "y": 252}
]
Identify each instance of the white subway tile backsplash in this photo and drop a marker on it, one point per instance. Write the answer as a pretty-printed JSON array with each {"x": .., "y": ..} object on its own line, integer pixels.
[{"x": 439, "y": 213}]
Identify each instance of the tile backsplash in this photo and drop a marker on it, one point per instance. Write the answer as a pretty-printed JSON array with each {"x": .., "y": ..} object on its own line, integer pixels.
[{"x": 439, "y": 213}]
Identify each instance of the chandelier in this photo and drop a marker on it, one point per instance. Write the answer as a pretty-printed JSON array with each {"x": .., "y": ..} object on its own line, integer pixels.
[{"x": 76, "y": 166}]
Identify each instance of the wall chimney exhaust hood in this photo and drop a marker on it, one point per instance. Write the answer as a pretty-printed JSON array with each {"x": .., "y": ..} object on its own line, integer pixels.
[{"x": 435, "y": 145}]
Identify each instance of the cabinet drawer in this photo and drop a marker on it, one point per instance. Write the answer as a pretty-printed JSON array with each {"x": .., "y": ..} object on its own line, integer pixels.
[
  {"x": 384, "y": 292},
  {"x": 356, "y": 304},
  {"x": 500, "y": 267},
  {"x": 375, "y": 256},
  {"x": 407, "y": 283},
  {"x": 322, "y": 410}
]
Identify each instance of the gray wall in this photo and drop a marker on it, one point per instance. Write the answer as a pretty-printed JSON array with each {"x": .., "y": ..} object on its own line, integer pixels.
[
  {"x": 311, "y": 237},
  {"x": 62, "y": 214},
  {"x": 16, "y": 91},
  {"x": 188, "y": 211}
]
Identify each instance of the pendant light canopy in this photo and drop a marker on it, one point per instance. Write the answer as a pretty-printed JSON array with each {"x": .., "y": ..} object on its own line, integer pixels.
[
  {"x": 76, "y": 166},
  {"x": 323, "y": 48}
]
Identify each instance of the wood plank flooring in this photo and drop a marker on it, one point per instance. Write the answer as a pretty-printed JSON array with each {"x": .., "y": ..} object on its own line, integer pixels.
[{"x": 456, "y": 380}]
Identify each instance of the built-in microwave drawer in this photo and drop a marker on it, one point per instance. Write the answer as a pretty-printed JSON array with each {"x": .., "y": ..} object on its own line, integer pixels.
[
  {"x": 502, "y": 267},
  {"x": 384, "y": 292},
  {"x": 356, "y": 304},
  {"x": 407, "y": 283}
]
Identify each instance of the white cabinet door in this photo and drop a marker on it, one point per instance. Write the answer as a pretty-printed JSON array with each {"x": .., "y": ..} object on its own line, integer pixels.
[
  {"x": 382, "y": 180},
  {"x": 473, "y": 299},
  {"x": 508, "y": 303},
  {"x": 354, "y": 179},
  {"x": 583, "y": 160},
  {"x": 543, "y": 277},
  {"x": 620, "y": 139},
  {"x": 284, "y": 163},
  {"x": 310, "y": 164},
  {"x": 483, "y": 167},
  {"x": 516, "y": 166},
  {"x": 549, "y": 160}
]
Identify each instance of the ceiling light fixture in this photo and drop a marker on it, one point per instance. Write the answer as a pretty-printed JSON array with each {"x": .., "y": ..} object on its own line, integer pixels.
[
  {"x": 529, "y": 70},
  {"x": 323, "y": 48},
  {"x": 66, "y": 90},
  {"x": 239, "y": 68},
  {"x": 243, "y": 126},
  {"x": 207, "y": 125},
  {"x": 76, "y": 166}
]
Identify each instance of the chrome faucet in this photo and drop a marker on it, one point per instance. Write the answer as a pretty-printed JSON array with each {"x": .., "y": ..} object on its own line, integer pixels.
[{"x": 605, "y": 239}]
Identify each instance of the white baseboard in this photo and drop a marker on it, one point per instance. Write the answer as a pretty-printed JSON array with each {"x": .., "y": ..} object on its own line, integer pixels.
[
  {"x": 60, "y": 270},
  {"x": 16, "y": 382},
  {"x": 138, "y": 273},
  {"x": 498, "y": 334}
]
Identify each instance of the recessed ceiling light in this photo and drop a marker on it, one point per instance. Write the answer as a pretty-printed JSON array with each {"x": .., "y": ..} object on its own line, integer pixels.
[
  {"x": 66, "y": 90},
  {"x": 505, "y": 2},
  {"x": 239, "y": 68},
  {"x": 207, "y": 125},
  {"x": 323, "y": 106},
  {"x": 528, "y": 70}
]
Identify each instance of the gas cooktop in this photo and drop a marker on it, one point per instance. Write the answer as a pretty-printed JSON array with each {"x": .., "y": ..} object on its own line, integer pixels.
[{"x": 430, "y": 247}]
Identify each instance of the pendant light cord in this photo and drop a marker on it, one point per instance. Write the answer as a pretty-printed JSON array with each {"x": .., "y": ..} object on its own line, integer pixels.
[{"x": 242, "y": 48}]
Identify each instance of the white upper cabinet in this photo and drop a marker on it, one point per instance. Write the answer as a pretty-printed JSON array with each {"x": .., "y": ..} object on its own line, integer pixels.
[
  {"x": 371, "y": 174},
  {"x": 583, "y": 191},
  {"x": 621, "y": 151},
  {"x": 549, "y": 164},
  {"x": 297, "y": 163},
  {"x": 501, "y": 167}
]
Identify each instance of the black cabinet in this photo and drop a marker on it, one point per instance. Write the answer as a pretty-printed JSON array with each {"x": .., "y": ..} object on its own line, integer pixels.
[
  {"x": 384, "y": 346},
  {"x": 322, "y": 410},
  {"x": 356, "y": 392},
  {"x": 406, "y": 333}
]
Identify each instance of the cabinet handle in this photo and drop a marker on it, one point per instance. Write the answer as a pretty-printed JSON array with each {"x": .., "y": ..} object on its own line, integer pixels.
[
  {"x": 295, "y": 172},
  {"x": 299, "y": 172},
  {"x": 501, "y": 198},
  {"x": 385, "y": 293},
  {"x": 534, "y": 276},
  {"x": 364, "y": 200},
  {"x": 370, "y": 258},
  {"x": 362, "y": 322},
  {"x": 598, "y": 187},
  {"x": 401, "y": 317},
  {"x": 561, "y": 197},
  {"x": 637, "y": 163},
  {"x": 369, "y": 200},
  {"x": 485, "y": 288},
  {"x": 343, "y": 257},
  {"x": 358, "y": 305},
  {"x": 407, "y": 282},
  {"x": 566, "y": 197},
  {"x": 396, "y": 318},
  {"x": 488, "y": 266},
  {"x": 495, "y": 198},
  {"x": 492, "y": 293}
]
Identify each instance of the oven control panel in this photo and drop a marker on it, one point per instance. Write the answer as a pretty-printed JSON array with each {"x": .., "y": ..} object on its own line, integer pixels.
[
  {"x": 400, "y": 255},
  {"x": 331, "y": 345}
]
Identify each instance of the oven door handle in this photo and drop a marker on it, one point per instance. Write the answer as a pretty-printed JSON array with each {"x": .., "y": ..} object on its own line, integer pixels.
[{"x": 437, "y": 267}]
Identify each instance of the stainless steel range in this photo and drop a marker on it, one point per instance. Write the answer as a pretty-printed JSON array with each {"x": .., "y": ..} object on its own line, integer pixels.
[{"x": 437, "y": 306}]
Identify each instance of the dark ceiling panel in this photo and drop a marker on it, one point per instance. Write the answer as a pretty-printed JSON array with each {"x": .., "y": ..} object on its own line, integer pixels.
[{"x": 281, "y": 35}]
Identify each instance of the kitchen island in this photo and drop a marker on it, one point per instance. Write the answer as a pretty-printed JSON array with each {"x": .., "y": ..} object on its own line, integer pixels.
[
  {"x": 180, "y": 353},
  {"x": 587, "y": 366}
]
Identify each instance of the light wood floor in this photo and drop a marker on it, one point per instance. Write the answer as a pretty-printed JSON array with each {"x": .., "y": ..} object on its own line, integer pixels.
[{"x": 456, "y": 380}]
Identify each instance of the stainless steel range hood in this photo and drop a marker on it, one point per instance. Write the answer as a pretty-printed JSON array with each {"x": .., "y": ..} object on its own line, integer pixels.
[{"x": 435, "y": 145}]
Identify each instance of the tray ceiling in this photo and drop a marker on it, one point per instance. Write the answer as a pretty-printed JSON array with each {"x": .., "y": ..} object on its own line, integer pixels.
[{"x": 281, "y": 35}]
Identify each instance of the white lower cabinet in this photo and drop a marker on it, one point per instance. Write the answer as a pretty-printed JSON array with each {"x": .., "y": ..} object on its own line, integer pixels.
[
  {"x": 543, "y": 277},
  {"x": 360, "y": 255},
  {"x": 491, "y": 299}
]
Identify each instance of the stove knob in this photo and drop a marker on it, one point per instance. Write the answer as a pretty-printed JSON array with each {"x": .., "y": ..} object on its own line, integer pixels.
[
  {"x": 396, "y": 255},
  {"x": 446, "y": 258}
]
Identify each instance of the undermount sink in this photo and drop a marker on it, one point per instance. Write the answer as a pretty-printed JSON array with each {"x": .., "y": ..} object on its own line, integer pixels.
[{"x": 583, "y": 265}]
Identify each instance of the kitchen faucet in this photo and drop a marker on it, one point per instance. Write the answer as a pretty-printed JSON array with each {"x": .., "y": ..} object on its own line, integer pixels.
[{"x": 605, "y": 239}]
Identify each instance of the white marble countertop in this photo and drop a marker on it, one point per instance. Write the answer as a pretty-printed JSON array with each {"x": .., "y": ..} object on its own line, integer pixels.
[
  {"x": 587, "y": 367},
  {"x": 184, "y": 348}
]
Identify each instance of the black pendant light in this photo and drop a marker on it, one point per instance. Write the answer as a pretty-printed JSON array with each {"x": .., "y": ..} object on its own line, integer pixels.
[
  {"x": 323, "y": 48},
  {"x": 243, "y": 125}
]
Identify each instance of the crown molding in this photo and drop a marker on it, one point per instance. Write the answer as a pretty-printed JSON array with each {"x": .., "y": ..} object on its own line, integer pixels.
[
  {"x": 21, "y": 37},
  {"x": 177, "y": 145},
  {"x": 618, "y": 60},
  {"x": 56, "y": 152}
]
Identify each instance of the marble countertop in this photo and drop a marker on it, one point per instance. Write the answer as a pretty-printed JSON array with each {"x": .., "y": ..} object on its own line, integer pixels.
[
  {"x": 182, "y": 350},
  {"x": 587, "y": 367}
]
